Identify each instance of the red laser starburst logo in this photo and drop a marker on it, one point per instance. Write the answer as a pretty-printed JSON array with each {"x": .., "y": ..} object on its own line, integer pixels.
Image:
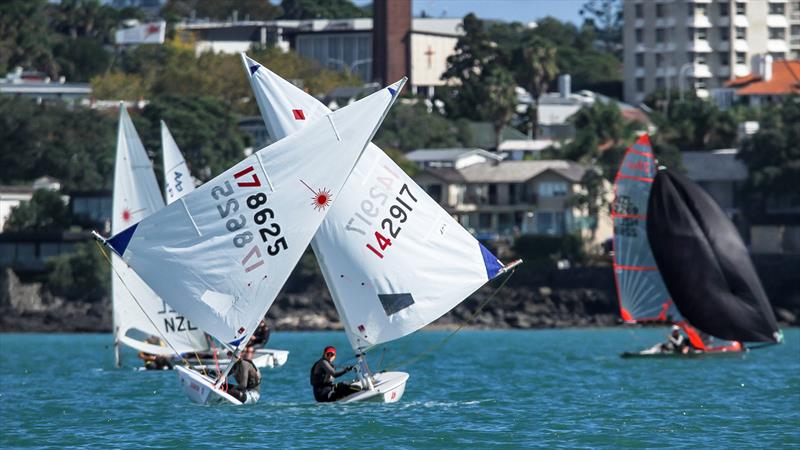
[
  {"x": 321, "y": 199},
  {"x": 126, "y": 215}
]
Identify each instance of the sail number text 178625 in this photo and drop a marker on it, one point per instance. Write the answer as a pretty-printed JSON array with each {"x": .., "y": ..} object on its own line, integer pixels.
[{"x": 269, "y": 231}]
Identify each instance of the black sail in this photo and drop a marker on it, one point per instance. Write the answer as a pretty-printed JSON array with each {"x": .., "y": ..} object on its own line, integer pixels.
[{"x": 705, "y": 264}]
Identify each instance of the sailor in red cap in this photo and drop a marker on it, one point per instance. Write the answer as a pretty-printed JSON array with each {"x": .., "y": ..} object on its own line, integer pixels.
[{"x": 323, "y": 374}]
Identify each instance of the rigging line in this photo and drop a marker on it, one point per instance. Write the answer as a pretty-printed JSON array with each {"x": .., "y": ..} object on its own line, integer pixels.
[
  {"x": 469, "y": 319},
  {"x": 103, "y": 251}
]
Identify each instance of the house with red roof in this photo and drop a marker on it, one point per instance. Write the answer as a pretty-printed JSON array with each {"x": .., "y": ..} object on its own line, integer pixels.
[{"x": 772, "y": 81}]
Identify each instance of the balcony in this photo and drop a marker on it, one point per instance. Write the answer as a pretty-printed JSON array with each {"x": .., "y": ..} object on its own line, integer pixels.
[
  {"x": 777, "y": 46},
  {"x": 699, "y": 46},
  {"x": 701, "y": 93},
  {"x": 698, "y": 21},
  {"x": 777, "y": 21},
  {"x": 740, "y": 45},
  {"x": 665, "y": 22},
  {"x": 666, "y": 72},
  {"x": 741, "y": 70},
  {"x": 699, "y": 71},
  {"x": 740, "y": 21}
]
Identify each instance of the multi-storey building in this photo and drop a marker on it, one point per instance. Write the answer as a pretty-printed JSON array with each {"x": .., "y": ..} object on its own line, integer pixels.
[{"x": 701, "y": 44}]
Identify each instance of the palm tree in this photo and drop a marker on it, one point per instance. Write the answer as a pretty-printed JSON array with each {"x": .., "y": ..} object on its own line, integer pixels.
[
  {"x": 501, "y": 99},
  {"x": 537, "y": 63}
]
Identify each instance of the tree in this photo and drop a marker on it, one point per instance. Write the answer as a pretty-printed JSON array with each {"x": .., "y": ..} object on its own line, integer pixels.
[
  {"x": 25, "y": 36},
  {"x": 45, "y": 211},
  {"x": 175, "y": 10},
  {"x": 605, "y": 16},
  {"x": 318, "y": 9},
  {"x": 536, "y": 70},
  {"x": 773, "y": 159},
  {"x": 502, "y": 99},
  {"x": 205, "y": 129},
  {"x": 696, "y": 124},
  {"x": 411, "y": 127},
  {"x": 83, "y": 274}
]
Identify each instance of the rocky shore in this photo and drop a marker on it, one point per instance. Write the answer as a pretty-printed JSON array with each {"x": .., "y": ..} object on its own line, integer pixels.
[{"x": 531, "y": 299}]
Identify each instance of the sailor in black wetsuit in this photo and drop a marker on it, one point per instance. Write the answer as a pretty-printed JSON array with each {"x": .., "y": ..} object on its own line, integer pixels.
[
  {"x": 323, "y": 373},
  {"x": 676, "y": 343}
]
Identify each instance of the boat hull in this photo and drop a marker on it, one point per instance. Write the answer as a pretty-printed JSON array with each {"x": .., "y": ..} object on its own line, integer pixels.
[
  {"x": 201, "y": 390},
  {"x": 653, "y": 353},
  {"x": 388, "y": 387}
]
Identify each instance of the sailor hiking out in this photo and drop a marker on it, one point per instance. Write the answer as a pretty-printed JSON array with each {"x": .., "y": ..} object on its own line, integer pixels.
[
  {"x": 248, "y": 379},
  {"x": 323, "y": 374}
]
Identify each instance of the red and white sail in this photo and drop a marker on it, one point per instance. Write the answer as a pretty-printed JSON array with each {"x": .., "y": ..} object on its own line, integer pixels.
[
  {"x": 221, "y": 253},
  {"x": 137, "y": 196},
  {"x": 393, "y": 259}
]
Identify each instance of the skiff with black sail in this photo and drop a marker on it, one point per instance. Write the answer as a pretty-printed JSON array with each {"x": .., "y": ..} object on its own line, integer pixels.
[
  {"x": 393, "y": 259},
  {"x": 139, "y": 314},
  {"x": 221, "y": 254},
  {"x": 679, "y": 260},
  {"x": 178, "y": 182}
]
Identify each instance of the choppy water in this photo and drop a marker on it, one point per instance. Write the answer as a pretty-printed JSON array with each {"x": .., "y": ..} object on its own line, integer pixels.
[{"x": 484, "y": 389}]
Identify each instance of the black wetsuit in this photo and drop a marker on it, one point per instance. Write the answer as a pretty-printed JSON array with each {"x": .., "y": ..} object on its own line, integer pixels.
[
  {"x": 247, "y": 378},
  {"x": 260, "y": 337},
  {"x": 323, "y": 374}
]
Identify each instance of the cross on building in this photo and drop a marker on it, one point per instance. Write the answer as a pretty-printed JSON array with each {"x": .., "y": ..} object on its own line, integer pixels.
[{"x": 429, "y": 54}]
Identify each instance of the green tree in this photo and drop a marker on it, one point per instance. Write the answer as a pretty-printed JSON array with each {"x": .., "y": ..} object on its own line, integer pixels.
[
  {"x": 175, "y": 10},
  {"x": 83, "y": 274},
  {"x": 536, "y": 69},
  {"x": 25, "y": 36},
  {"x": 205, "y": 129},
  {"x": 605, "y": 16},
  {"x": 502, "y": 99},
  {"x": 318, "y": 9},
  {"x": 773, "y": 159},
  {"x": 696, "y": 124},
  {"x": 410, "y": 127},
  {"x": 45, "y": 211}
]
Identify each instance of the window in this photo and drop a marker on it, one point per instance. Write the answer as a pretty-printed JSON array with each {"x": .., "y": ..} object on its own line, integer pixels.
[
  {"x": 660, "y": 84},
  {"x": 777, "y": 33},
  {"x": 724, "y": 9},
  {"x": 702, "y": 34},
  {"x": 690, "y": 56},
  {"x": 741, "y": 33},
  {"x": 660, "y": 34},
  {"x": 777, "y": 8},
  {"x": 640, "y": 85},
  {"x": 660, "y": 10},
  {"x": 640, "y": 60},
  {"x": 690, "y": 34},
  {"x": 659, "y": 60},
  {"x": 700, "y": 83},
  {"x": 638, "y": 10},
  {"x": 6, "y": 253},
  {"x": 639, "y": 38},
  {"x": 741, "y": 8},
  {"x": 724, "y": 34},
  {"x": 741, "y": 58},
  {"x": 435, "y": 191},
  {"x": 701, "y": 9},
  {"x": 796, "y": 29},
  {"x": 700, "y": 58},
  {"x": 549, "y": 222},
  {"x": 552, "y": 188},
  {"x": 724, "y": 58},
  {"x": 484, "y": 221},
  {"x": 778, "y": 55}
]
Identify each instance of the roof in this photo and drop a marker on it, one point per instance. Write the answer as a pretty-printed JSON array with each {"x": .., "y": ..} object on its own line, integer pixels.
[
  {"x": 528, "y": 144},
  {"x": 715, "y": 165},
  {"x": 447, "y": 154},
  {"x": 510, "y": 171},
  {"x": 785, "y": 80}
]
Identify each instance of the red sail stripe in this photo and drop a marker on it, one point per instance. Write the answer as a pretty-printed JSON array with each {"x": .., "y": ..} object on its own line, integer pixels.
[
  {"x": 631, "y": 177},
  {"x": 628, "y": 216},
  {"x": 641, "y": 153},
  {"x": 636, "y": 268}
]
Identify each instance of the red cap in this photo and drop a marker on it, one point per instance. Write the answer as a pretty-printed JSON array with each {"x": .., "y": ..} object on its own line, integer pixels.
[{"x": 329, "y": 349}]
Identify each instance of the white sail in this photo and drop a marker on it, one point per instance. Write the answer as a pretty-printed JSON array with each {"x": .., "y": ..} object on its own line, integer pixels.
[
  {"x": 222, "y": 253},
  {"x": 136, "y": 196},
  {"x": 423, "y": 264},
  {"x": 177, "y": 179}
]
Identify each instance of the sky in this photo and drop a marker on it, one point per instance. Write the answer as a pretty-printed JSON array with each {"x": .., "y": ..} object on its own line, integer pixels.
[{"x": 508, "y": 10}]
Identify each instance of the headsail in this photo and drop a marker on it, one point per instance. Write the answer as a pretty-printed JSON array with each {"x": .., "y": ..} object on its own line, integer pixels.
[
  {"x": 136, "y": 196},
  {"x": 393, "y": 259},
  {"x": 222, "y": 253},
  {"x": 177, "y": 179},
  {"x": 643, "y": 296},
  {"x": 705, "y": 264}
]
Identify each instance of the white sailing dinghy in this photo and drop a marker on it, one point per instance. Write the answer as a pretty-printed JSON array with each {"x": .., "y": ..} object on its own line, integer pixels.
[
  {"x": 178, "y": 182},
  {"x": 221, "y": 254},
  {"x": 393, "y": 259},
  {"x": 136, "y": 196}
]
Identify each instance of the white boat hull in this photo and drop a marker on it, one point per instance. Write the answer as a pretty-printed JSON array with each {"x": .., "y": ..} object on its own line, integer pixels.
[
  {"x": 264, "y": 358},
  {"x": 388, "y": 387},
  {"x": 201, "y": 390}
]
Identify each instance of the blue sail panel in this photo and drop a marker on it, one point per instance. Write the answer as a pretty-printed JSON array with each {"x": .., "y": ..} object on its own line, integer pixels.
[
  {"x": 493, "y": 265},
  {"x": 120, "y": 242}
]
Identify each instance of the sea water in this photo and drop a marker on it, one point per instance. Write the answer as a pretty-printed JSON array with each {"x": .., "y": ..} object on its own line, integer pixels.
[{"x": 482, "y": 389}]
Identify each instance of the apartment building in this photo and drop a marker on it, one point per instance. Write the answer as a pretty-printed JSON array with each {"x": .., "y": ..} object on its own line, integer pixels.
[{"x": 701, "y": 44}]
